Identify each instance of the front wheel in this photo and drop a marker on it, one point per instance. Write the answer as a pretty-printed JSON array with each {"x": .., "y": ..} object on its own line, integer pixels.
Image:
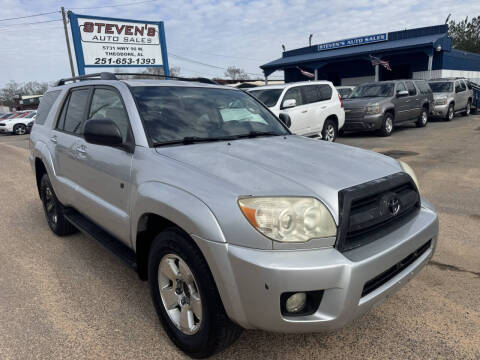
[
  {"x": 19, "y": 129},
  {"x": 329, "y": 131},
  {"x": 186, "y": 298},
  {"x": 450, "y": 113},
  {"x": 387, "y": 125},
  {"x": 423, "y": 119},
  {"x": 468, "y": 109}
]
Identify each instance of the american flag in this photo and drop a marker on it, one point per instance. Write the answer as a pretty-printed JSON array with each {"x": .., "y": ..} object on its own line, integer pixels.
[
  {"x": 376, "y": 61},
  {"x": 306, "y": 73}
]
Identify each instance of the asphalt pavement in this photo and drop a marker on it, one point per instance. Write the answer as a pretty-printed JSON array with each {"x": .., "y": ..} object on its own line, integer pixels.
[{"x": 70, "y": 298}]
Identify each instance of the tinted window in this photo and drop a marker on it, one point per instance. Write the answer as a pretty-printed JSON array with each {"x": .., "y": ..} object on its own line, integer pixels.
[
  {"x": 75, "y": 111},
  {"x": 469, "y": 85},
  {"x": 423, "y": 87},
  {"x": 310, "y": 94},
  {"x": 373, "y": 90},
  {"x": 462, "y": 85},
  {"x": 294, "y": 93},
  {"x": 459, "y": 86},
  {"x": 345, "y": 92},
  {"x": 324, "y": 92},
  {"x": 179, "y": 113},
  {"x": 411, "y": 88},
  {"x": 107, "y": 104},
  {"x": 401, "y": 87},
  {"x": 46, "y": 103},
  {"x": 440, "y": 86},
  {"x": 269, "y": 97}
]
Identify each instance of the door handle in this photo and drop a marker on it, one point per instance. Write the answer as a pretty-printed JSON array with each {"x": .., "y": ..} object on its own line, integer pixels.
[
  {"x": 53, "y": 139},
  {"x": 323, "y": 107},
  {"x": 81, "y": 150},
  {"x": 304, "y": 111}
]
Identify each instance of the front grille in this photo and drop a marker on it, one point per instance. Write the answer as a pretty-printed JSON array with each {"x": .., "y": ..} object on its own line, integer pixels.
[
  {"x": 354, "y": 113},
  {"x": 368, "y": 209},
  {"x": 393, "y": 271},
  {"x": 3, "y": 124}
]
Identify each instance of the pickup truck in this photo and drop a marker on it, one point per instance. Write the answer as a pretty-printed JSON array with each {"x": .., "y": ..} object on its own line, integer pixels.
[{"x": 234, "y": 222}]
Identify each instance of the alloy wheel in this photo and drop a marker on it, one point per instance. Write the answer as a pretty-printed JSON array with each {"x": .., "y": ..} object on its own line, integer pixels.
[
  {"x": 450, "y": 113},
  {"x": 330, "y": 133},
  {"x": 20, "y": 130},
  {"x": 179, "y": 293},
  {"x": 50, "y": 205},
  {"x": 389, "y": 124},
  {"x": 424, "y": 117},
  {"x": 469, "y": 108}
]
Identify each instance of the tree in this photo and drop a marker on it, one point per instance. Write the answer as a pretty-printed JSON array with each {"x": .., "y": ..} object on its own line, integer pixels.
[
  {"x": 236, "y": 73},
  {"x": 8, "y": 93},
  {"x": 466, "y": 34}
]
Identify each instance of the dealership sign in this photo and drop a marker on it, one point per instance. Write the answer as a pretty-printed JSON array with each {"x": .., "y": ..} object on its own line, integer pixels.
[
  {"x": 362, "y": 40},
  {"x": 108, "y": 42}
]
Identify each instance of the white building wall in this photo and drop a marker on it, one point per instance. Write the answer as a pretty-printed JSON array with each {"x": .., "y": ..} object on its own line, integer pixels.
[{"x": 354, "y": 81}]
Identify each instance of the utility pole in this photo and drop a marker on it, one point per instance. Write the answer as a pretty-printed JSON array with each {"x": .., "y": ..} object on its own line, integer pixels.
[{"x": 68, "y": 41}]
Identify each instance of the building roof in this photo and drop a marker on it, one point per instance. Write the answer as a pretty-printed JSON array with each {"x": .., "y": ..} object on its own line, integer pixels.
[{"x": 429, "y": 38}]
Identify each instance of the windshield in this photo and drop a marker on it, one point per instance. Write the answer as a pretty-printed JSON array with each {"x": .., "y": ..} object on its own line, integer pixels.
[
  {"x": 372, "y": 90},
  {"x": 441, "y": 86},
  {"x": 269, "y": 96},
  {"x": 344, "y": 92},
  {"x": 29, "y": 116},
  {"x": 171, "y": 114}
]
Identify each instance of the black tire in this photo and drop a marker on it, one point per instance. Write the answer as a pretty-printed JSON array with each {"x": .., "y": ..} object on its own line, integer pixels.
[
  {"x": 19, "y": 129},
  {"x": 54, "y": 210},
  {"x": 387, "y": 125},
  {"x": 468, "y": 109},
  {"x": 450, "y": 113},
  {"x": 423, "y": 118},
  {"x": 330, "y": 130},
  {"x": 216, "y": 331}
]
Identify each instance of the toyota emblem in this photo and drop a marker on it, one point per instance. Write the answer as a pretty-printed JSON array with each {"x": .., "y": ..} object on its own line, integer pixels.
[{"x": 393, "y": 206}]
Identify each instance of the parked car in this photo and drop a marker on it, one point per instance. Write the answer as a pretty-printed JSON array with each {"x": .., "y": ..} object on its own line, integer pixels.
[
  {"x": 380, "y": 106},
  {"x": 4, "y": 116},
  {"x": 452, "y": 96},
  {"x": 234, "y": 221},
  {"x": 17, "y": 123},
  {"x": 345, "y": 91},
  {"x": 315, "y": 107}
]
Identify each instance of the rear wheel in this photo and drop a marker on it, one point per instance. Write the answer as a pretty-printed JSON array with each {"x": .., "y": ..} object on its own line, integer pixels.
[
  {"x": 387, "y": 125},
  {"x": 186, "y": 298},
  {"x": 54, "y": 210},
  {"x": 423, "y": 119},
  {"x": 450, "y": 113},
  {"x": 19, "y": 129},
  {"x": 468, "y": 109},
  {"x": 330, "y": 131}
]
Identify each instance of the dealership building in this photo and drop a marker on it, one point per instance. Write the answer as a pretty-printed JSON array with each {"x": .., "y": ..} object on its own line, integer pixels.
[{"x": 421, "y": 53}]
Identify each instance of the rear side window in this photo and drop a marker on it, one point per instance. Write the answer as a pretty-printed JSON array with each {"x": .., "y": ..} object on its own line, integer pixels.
[
  {"x": 316, "y": 93},
  {"x": 400, "y": 87},
  {"x": 459, "y": 86},
  {"x": 411, "y": 88},
  {"x": 324, "y": 92},
  {"x": 73, "y": 112},
  {"x": 423, "y": 87},
  {"x": 294, "y": 93},
  {"x": 469, "y": 85},
  {"x": 46, "y": 103}
]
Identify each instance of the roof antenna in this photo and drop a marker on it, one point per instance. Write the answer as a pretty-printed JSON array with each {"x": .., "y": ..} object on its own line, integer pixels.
[
  {"x": 310, "y": 40},
  {"x": 283, "y": 47},
  {"x": 448, "y": 18}
]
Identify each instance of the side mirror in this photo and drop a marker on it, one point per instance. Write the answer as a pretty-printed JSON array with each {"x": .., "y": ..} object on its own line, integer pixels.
[
  {"x": 289, "y": 103},
  {"x": 102, "y": 132},
  {"x": 285, "y": 118},
  {"x": 402, "y": 93}
]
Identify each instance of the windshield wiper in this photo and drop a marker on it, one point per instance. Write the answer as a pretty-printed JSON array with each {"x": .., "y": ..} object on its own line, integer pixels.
[
  {"x": 187, "y": 140},
  {"x": 253, "y": 134}
]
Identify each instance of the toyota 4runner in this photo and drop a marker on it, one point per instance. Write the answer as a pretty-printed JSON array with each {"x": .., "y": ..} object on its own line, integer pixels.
[{"x": 235, "y": 222}]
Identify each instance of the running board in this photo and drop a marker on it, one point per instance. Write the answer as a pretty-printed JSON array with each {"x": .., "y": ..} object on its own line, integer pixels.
[{"x": 96, "y": 232}]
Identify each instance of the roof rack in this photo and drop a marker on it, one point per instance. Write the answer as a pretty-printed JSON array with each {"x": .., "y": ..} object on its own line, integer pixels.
[{"x": 112, "y": 76}]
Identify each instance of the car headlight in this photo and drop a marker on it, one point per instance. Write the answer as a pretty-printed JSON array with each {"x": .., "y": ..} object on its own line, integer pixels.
[
  {"x": 289, "y": 219},
  {"x": 373, "y": 109},
  {"x": 441, "y": 101},
  {"x": 410, "y": 172}
]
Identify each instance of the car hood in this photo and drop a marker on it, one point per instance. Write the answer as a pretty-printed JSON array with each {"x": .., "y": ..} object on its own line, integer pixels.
[
  {"x": 361, "y": 102},
  {"x": 440, "y": 94},
  {"x": 289, "y": 166}
]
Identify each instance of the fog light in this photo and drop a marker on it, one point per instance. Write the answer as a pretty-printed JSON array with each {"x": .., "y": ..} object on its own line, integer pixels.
[{"x": 296, "y": 302}]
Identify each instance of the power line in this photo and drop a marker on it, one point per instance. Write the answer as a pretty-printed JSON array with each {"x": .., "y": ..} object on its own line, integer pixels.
[
  {"x": 29, "y": 16},
  {"x": 111, "y": 6},
  {"x": 35, "y": 28},
  {"x": 32, "y": 23}
]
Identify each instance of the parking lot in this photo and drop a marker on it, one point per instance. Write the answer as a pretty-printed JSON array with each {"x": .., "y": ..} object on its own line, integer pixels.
[{"x": 69, "y": 297}]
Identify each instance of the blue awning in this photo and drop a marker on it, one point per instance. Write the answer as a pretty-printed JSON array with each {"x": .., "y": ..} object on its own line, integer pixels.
[{"x": 429, "y": 42}]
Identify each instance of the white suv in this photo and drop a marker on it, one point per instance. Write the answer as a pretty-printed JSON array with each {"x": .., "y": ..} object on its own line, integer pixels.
[{"x": 314, "y": 107}]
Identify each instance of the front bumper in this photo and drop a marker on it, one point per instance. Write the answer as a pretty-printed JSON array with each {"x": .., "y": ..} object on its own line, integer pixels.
[
  {"x": 251, "y": 281},
  {"x": 440, "y": 110},
  {"x": 365, "y": 123}
]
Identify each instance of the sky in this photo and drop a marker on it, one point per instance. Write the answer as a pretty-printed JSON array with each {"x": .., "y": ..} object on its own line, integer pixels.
[{"x": 246, "y": 33}]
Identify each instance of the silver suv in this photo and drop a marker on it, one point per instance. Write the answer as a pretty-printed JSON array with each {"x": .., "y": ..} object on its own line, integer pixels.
[
  {"x": 235, "y": 222},
  {"x": 451, "y": 96}
]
